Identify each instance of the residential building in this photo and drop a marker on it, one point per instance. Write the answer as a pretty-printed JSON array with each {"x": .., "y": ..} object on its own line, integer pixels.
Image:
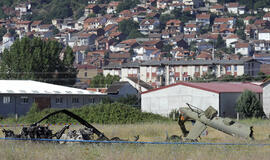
[
  {"x": 231, "y": 40},
  {"x": 131, "y": 69},
  {"x": 191, "y": 28},
  {"x": 264, "y": 34},
  {"x": 243, "y": 49},
  {"x": 256, "y": 65},
  {"x": 7, "y": 42},
  {"x": 94, "y": 23},
  {"x": 159, "y": 73},
  {"x": 91, "y": 9},
  {"x": 266, "y": 17},
  {"x": 121, "y": 89},
  {"x": 203, "y": 19},
  {"x": 148, "y": 25},
  {"x": 217, "y": 9},
  {"x": 192, "y": 3},
  {"x": 174, "y": 25},
  {"x": 112, "y": 7},
  {"x": 23, "y": 25},
  {"x": 112, "y": 69},
  {"x": 261, "y": 46},
  {"x": 235, "y": 8},
  {"x": 140, "y": 85},
  {"x": 35, "y": 26},
  {"x": 86, "y": 72}
]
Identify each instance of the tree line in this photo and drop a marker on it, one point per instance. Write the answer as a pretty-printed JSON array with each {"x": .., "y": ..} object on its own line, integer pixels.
[{"x": 37, "y": 59}]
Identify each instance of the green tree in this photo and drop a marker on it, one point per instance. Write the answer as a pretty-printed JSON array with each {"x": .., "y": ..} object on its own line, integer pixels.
[
  {"x": 241, "y": 34},
  {"x": 37, "y": 59},
  {"x": 164, "y": 18},
  {"x": 166, "y": 48},
  {"x": 261, "y": 76},
  {"x": 249, "y": 106},
  {"x": 182, "y": 16},
  {"x": 132, "y": 100},
  {"x": 239, "y": 24},
  {"x": 126, "y": 4},
  {"x": 3, "y": 31},
  {"x": 126, "y": 26},
  {"x": 55, "y": 30},
  {"x": 100, "y": 80},
  {"x": 205, "y": 29},
  {"x": 220, "y": 42},
  {"x": 134, "y": 34}
]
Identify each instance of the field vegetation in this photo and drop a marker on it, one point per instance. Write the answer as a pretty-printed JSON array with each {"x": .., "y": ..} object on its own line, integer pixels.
[
  {"x": 155, "y": 131},
  {"x": 103, "y": 113},
  {"x": 116, "y": 119}
]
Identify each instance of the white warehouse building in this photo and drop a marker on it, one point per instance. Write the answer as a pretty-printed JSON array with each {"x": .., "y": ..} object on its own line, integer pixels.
[
  {"x": 266, "y": 97},
  {"x": 17, "y": 96},
  {"x": 220, "y": 95}
]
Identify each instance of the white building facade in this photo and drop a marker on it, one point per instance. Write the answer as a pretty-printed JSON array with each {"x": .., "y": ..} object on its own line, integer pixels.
[{"x": 221, "y": 96}]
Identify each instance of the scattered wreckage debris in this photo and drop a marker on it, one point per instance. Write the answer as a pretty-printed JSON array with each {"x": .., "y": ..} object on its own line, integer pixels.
[
  {"x": 201, "y": 119},
  {"x": 38, "y": 131}
]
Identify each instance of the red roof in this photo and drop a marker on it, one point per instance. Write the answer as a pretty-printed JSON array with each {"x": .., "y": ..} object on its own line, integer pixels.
[
  {"x": 190, "y": 25},
  {"x": 217, "y": 87},
  {"x": 223, "y": 20},
  {"x": 241, "y": 45},
  {"x": 203, "y": 16},
  {"x": 173, "y": 22},
  {"x": 91, "y": 6},
  {"x": 231, "y": 36},
  {"x": 101, "y": 90},
  {"x": 267, "y": 15},
  {"x": 86, "y": 66},
  {"x": 217, "y": 6},
  {"x": 233, "y": 5}
]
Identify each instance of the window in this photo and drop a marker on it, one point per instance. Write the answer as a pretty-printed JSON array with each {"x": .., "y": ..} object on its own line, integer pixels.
[
  {"x": 204, "y": 69},
  {"x": 75, "y": 100},
  {"x": 197, "y": 69},
  {"x": 24, "y": 100},
  {"x": 91, "y": 100},
  {"x": 221, "y": 68},
  {"x": 85, "y": 74},
  {"x": 228, "y": 68},
  {"x": 59, "y": 100},
  {"x": 6, "y": 100},
  {"x": 235, "y": 68}
]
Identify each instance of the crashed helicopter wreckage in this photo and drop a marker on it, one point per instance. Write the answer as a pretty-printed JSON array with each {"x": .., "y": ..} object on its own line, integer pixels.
[
  {"x": 202, "y": 119},
  {"x": 38, "y": 131}
]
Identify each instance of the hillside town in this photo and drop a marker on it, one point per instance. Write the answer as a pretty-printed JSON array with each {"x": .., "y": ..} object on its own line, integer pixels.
[
  {"x": 156, "y": 45},
  {"x": 212, "y": 39}
]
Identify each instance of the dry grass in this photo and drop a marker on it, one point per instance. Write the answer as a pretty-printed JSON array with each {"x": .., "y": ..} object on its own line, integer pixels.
[{"x": 147, "y": 132}]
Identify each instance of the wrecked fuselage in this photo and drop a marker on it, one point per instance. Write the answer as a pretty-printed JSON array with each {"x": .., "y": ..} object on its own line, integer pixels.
[
  {"x": 201, "y": 119},
  {"x": 37, "y": 131}
]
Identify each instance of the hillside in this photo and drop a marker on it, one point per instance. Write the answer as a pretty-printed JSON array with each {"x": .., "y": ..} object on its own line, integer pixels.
[{"x": 48, "y": 9}]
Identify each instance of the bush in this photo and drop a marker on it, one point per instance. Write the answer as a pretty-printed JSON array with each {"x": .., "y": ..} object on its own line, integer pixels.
[
  {"x": 114, "y": 113},
  {"x": 174, "y": 114},
  {"x": 249, "y": 106}
]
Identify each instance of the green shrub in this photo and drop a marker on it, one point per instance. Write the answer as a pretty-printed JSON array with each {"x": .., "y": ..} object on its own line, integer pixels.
[
  {"x": 114, "y": 113},
  {"x": 174, "y": 114},
  {"x": 249, "y": 106}
]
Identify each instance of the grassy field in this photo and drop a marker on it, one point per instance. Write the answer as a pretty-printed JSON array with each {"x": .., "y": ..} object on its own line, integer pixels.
[{"x": 148, "y": 132}]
